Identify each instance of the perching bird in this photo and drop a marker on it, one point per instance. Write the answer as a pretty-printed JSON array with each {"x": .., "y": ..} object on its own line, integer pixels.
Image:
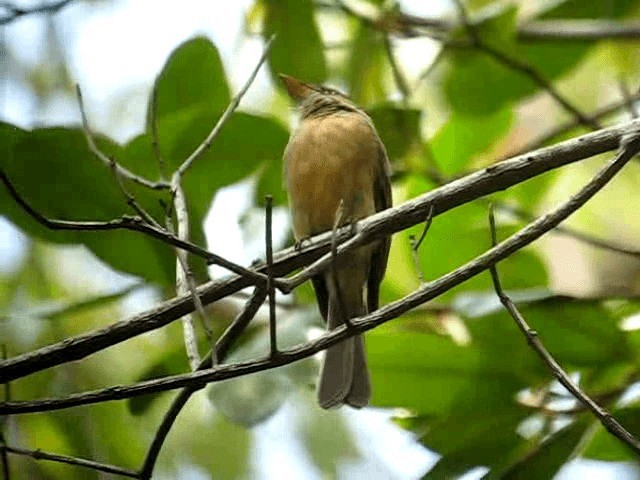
[{"x": 337, "y": 172}]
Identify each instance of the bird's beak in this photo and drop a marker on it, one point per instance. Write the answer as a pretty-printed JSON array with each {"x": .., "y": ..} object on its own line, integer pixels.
[{"x": 297, "y": 89}]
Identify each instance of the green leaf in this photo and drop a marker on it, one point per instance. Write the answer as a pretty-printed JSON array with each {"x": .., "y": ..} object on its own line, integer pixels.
[
  {"x": 473, "y": 439},
  {"x": 245, "y": 144},
  {"x": 576, "y": 333},
  {"x": 605, "y": 446},
  {"x": 298, "y": 49},
  {"x": 545, "y": 460},
  {"x": 465, "y": 136},
  {"x": 399, "y": 128},
  {"x": 431, "y": 375},
  {"x": 467, "y": 225},
  {"x": 476, "y": 83},
  {"x": 54, "y": 172},
  {"x": 365, "y": 77},
  {"x": 193, "y": 75}
]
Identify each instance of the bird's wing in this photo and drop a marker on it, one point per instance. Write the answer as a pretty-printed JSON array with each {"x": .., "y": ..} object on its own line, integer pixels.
[{"x": 382, "y": 196}]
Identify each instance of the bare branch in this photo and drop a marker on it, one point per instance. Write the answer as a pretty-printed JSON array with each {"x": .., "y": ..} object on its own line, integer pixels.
[
  {"x": 271, "y": 291},
  {"x": 78, "y": 462},
  {"x": 537, "y": 143},
  {"x": 222, "y": 346},
  {"x": 184, "y": 277},
  {"x": 519, "y": 66},
  {"x": 134, "y": 224},
  {"x": 495, "y": 178},
  {"x": 342, "y": 306},
  {"x": 630, "y": 145},
  {"x": 403, "y": 24},
  {"x": 204, "y": 146},
  {"x": 415, "y": 245},
  {"x": 579, "y": 29},
  {"x": 628, "y": 98},
  {"x": 109, "y": 162},
  {"x": 608, "y": 422},
  {"x": 573, "y": 233}
]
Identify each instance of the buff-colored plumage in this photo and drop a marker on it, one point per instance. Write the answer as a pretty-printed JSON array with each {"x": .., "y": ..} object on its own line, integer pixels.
[{"x": 336, "y": 169}]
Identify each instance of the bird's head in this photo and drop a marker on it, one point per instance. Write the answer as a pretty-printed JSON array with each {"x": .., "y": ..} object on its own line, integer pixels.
[{"x": 316, "y": 100}]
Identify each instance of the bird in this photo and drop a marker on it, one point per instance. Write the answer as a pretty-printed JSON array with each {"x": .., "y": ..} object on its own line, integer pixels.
[{"x": 336, "y": 172}]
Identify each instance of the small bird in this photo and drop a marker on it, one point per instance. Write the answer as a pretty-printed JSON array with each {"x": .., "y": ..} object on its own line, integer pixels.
[{"x": 336, "y": 172}]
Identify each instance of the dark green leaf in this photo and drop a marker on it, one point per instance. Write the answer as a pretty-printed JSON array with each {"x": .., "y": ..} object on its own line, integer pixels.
[
  {"x": 431, "y": 375},
  {"x": 467, "y": 441},
  {"x": 545, "y": 461},
  {"x": 399, "y": 129},
  {"x": 605, "y": 446},
  {"x": 53, "y": 170}
]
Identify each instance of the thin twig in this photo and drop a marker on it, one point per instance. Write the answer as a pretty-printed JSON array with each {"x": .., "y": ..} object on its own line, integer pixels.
[
  {"x": 630, "y": 144},
  {"x": 109, "y": 162},
  {"x": 490, "y": 180},
  {"x": 608, "y": 421},
  {"x": 271, "y": 291},
  {"x": 3, "y": 423},
  {"x": 155, "y": 139},
  {"x": 223, "y": 344},
  {"x": 566, "y": 127},
  {"x": 415, "y": 245},
  {"x": 204, "y": 146},
  {"x": 579, "y": 29},
  {"x": 135, "y": 224},
  {"x": 401, "y": 81},
  {"x": 573, "y": 233},
  {"x": 78, "y": 462},
  {"x": 184, "y": 278},
  {"x": 519, "y": 66}
]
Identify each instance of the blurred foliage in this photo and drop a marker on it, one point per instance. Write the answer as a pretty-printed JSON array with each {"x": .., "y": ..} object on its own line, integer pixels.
[{"x": 459, "y": 372}]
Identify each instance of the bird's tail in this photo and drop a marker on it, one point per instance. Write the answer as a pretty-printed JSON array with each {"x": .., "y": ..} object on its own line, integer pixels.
[{"x": 345, "y": 377}]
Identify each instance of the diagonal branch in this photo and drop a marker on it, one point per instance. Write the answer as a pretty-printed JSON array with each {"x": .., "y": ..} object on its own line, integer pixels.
[
  {"x": 492, "y": 179},
  {"x": 519, "y": 66},
  {"x": 608, "y": 421},
  {"x": 204, "y": 146},
  {"x": 106, "y": 160},
  {"x": 134, "y": 224},
  {"x": 222, "y": 347},
  {"x": 78, "y": 462},
  {"x": 630, "y": 145}
]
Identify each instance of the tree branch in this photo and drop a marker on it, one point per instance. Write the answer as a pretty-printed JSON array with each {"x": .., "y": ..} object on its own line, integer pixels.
[
  {"x": 78, "y": 462},
  {"x": 222, "y": 347},
  {"x": 492, "y": 179},
  {"x": 609, "y": 422},
  {"x": 519, "y": 66},
  {"x": 134, "y": 224},
  {"x": 204, "y": 146},
  {"x": 630, "y": 145}
]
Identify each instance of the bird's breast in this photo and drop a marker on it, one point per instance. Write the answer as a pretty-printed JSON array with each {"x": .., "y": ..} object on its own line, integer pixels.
[{"x": 328, "y": 160}]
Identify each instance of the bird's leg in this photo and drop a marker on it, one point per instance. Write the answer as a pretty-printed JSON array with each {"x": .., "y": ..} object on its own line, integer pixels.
[{"x": 299, "y": 244}]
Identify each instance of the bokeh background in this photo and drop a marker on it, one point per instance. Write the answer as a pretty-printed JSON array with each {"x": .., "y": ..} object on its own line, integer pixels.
[{"x": 457, "y": 393}]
